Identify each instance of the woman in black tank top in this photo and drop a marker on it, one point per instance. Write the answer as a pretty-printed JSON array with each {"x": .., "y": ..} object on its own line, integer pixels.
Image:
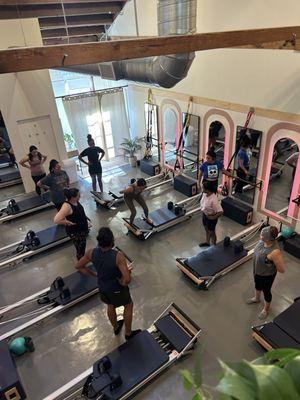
[{"x": 72, "y": 215}]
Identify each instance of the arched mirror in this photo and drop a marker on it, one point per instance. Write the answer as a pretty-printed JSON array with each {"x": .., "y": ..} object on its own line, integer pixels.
[
  {"x": 281, "y": 178},
  {"x": 245, "y": 163},
  {"x": 170, "y": 135},
  {"x": 152, "y": 132},
  {"x": 10, "y": 178},
  {"x": 190, "y": 144}
]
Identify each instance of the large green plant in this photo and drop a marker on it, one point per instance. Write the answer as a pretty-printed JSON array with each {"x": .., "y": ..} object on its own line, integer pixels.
[
  {"x": 131, "y": 146},
  {"x": 275, "y": 376}
]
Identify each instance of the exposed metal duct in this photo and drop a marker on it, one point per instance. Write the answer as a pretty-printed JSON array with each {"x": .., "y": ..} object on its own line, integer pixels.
[{"x": 175, "y": 17}]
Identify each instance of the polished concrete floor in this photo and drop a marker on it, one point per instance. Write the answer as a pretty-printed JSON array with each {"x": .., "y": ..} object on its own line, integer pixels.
[{"x": 70, "y": 342}]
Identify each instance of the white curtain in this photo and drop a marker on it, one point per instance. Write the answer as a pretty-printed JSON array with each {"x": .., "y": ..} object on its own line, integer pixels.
[
  {"x": 84, "y": 118},
  {"x": 113, "y": 105}
]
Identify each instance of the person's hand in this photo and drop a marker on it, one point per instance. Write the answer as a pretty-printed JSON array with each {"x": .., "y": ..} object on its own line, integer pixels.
[
  {"x": 89, "y": 225},
  {"x": 70, "y": 223},
  {"x": 210, "y": 217}
]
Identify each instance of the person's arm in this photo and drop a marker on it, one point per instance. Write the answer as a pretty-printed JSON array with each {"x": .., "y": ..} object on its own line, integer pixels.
[
  {"x": 60, "y": 217},
  {"x": 215, "y": 216},
  {"x": 218, "y": 210},
  {"x": 43, "y": 183},
  {"x": 81, "y": 264},
  {"x": 277, "y": 259},
  {"x": 226, "y": 172},
  {"x": 102, "y": 153},
  {"x": 80, "y": 157},
  {"x": 24, "y": 161},
  {"x": 44, "y": 158},
  {"x": 241, "y": 165},
  {"x": 127, "y": 190},
  {"x": 123, "y": 267}
]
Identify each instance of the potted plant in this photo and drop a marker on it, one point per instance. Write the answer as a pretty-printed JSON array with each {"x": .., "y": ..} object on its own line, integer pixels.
[{"x": 130, "y": 147}]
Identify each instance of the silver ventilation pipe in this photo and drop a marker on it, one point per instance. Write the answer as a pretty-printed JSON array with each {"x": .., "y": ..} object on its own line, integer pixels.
[{"x": 175, "y": 17}]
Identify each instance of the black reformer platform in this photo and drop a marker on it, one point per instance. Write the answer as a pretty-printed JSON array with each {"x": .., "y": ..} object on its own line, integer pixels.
[
  {"x": 11, "y": 178},
  {"x": 34, "y": 243},
  {"x": 283, "y": 332},
  {"x": 209, "y": 265},
  {"x": 107, "y": 200},
  {"x": 22, "y": 206},
  {"x": 132, "y": 365}
]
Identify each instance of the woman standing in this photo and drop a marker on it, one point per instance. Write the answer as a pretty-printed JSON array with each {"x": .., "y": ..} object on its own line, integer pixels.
[
  {"x": 34, "y": 161},
  {"x": 243, "y": 161},
  {"x": 94, "y": 162},
  {"x": 267, "y": 261},
  {"x": 57, "y": 181},
  {"x": 72, "y": 215}
]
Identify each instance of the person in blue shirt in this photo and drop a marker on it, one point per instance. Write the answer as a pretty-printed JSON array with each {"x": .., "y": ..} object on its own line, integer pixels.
[
  {"x": 210, "y": 170},
  {"x": 243, "y": 164}
]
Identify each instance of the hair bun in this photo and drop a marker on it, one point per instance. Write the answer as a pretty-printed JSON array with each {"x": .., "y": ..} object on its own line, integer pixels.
[{"x": 89, "y": 136}]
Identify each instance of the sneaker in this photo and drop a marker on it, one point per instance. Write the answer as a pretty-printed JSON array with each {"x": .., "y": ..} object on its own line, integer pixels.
[
  {"x": 253, "y": 300},
  {"x": 119, "y": 328},
  {"x": 133, "y": 333},
  {"x": 204, "y": 244},
  {"x": 263, "y": 314}
]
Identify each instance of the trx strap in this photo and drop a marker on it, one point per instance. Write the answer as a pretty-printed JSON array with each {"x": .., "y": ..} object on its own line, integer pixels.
[
  {"x": 248, "y": 119},
  {"x": 149, "y": 127},
  {"x": 180, "y": 147}
]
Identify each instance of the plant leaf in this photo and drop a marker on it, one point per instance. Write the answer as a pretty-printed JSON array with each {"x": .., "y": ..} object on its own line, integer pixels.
[
  {"x": 197, "y": 396},
  {"x": 274, "y": 383},
  {"x": 282, "y": 356},
  {"x": 188, "y": 381},
  {"x": 235, "y": 385},
  {"x": 198, "y": 371},
  {"x": 293, "y": 369}
]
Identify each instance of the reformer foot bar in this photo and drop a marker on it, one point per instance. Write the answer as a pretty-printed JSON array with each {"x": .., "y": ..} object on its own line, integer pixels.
[
  {"x": 10, "y": 179},
  {"x": 62, "y": 294},
  {"x": 113, "y": 197},
  {"x": 134, "y": 364},
  {"x": 21, "y": 206},
  {"x": 216, "y": 261},
  {"x": 283, "y": 332},
  {"x": 164, "y": 218},
  {"x": 34, "y": 243}
]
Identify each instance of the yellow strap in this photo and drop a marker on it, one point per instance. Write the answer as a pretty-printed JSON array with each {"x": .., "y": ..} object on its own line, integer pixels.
[{"x": 150, "y": 96}]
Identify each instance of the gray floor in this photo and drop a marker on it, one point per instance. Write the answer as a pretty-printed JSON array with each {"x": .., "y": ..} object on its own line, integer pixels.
[{"x": 69, "y": 343}]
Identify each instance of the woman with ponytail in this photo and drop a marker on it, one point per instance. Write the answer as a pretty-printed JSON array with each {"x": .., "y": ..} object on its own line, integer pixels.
[
  {"x": 56, "y": 181},
  {"x": 72, "y": 215},
  {"x": 94, "y": 162}
]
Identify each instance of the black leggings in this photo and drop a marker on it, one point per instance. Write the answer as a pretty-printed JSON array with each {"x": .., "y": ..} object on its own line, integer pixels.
[
  {"x": 79, "y": 241},
  {"x": 264, "y": 284},
  {"x": 239, "y": 184},
  {"x": 35, "y": 180}
]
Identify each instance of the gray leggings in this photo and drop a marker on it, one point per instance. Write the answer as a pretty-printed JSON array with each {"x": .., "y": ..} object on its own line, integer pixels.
[
  {"x": 140, "y": 200},
  {"x": 96, "y": 177}
]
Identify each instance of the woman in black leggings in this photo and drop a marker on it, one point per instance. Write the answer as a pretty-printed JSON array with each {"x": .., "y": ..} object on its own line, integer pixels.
[
  {"x": 72, "y": 215},
  {"x": 267, "y": 261}
]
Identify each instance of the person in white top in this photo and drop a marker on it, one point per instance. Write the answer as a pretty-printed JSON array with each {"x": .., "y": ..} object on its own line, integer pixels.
[{"x": 212, "y": 210}]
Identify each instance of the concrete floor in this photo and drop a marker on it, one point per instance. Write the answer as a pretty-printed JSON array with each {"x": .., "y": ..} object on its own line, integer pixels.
[{"x": 69, "y": 343}]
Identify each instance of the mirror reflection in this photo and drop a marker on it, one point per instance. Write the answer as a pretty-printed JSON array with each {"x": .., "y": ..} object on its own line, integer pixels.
[
  {"x": 10, "y": 178},
  {"x": 284, "y": 163},
  {"x": 216, "y": 140},
  {"x": 246, "y": 160},
  {"x": 170, "y": 133},
  {"x": 190, "y": 144},
  {"x": 152, "y": 133}
]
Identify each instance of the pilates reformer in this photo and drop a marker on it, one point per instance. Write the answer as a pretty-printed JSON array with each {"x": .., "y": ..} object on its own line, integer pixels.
[
  {"x": 134, "y": 364},
  {"x": 113, "y": 197},
  {"x": 283, "y": 332},
  {"x": 164, "y": 218},
  {"x": 33, "y": 243},
  {"x": 21, "y": 206},
  {"x": 63, "y": 293},
  {"x": 10, "y": 178},
  {"x": 216, "y": 261}
]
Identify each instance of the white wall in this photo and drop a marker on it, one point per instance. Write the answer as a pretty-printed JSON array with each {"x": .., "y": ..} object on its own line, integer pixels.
[
  {"x": 28, "y": 94},
  {"x": 262, "y": 78}
]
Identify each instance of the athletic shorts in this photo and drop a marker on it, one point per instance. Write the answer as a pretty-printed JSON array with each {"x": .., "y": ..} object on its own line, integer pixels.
[
  {"x": 117, "y": 299},
  {"x": 264, "y": 282},
  {"x": 210, "y": 224}
]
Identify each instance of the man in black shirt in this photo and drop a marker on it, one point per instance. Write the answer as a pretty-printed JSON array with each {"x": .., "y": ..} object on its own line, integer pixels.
[{"x": 94, "y": 162}]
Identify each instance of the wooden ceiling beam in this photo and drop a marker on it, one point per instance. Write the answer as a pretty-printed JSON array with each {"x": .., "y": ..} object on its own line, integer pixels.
[
  {"x": 26, "y": 2},
  {"x": 28, "y": 59},
  {"x": 76, "y": 31},
  {"x": 86, "y": 20},
  {"x": 55, "y": 10}
]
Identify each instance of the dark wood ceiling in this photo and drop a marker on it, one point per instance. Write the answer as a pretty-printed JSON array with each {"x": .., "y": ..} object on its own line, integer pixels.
[{"x": 65, "y": 21}]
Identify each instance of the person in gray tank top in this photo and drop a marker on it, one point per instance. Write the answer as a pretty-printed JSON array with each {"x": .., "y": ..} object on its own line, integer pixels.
[
  {"x": 267, "y": 261},
  {"x": 113, "y": 278}
]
